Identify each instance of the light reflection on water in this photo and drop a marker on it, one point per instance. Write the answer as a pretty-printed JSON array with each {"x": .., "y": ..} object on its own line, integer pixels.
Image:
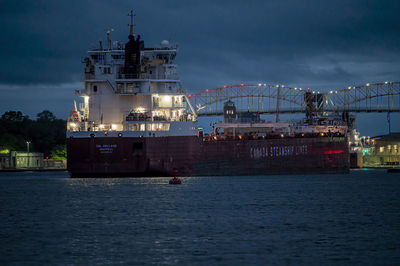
[{"x": 48, "y": 218}]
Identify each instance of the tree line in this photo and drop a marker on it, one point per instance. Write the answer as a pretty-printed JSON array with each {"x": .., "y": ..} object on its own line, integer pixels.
[{"x": 46, "y": 134}]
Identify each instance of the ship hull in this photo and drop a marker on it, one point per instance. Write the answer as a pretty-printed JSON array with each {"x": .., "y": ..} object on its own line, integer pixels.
[{"x": 192, "y": 156}]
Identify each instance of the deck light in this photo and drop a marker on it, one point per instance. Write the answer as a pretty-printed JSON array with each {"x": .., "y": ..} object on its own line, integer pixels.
[{"x": 141, "y": 109}]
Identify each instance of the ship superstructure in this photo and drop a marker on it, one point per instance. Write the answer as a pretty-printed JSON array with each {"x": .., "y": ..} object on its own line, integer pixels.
[{"x": 132, "y": 90}]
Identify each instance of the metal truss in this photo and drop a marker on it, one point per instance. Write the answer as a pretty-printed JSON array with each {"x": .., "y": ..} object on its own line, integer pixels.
[{"x": 270, "y": 99}]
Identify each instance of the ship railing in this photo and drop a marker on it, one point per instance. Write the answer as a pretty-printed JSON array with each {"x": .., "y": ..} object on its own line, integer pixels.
[
  {"x": 128, "y": 90},
  {"x": 137, "y": 117},
  {"x": 77, "y": 126},
  {"x": 174, "y": 105},
  {"x": 148, "y": 76},
  {"x": 261, "y": 136},
  {"x": 182, "y": 118}
]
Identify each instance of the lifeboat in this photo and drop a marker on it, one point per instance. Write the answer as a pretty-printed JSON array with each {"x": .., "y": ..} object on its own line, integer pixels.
[{"x": 74, "y": 115}]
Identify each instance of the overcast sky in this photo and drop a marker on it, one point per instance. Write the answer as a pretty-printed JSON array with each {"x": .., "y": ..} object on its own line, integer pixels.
[{"x": 316, "y": 44}]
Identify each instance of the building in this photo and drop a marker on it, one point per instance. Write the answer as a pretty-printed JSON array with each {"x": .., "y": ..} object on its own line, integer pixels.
[
  {"x": 384, "y": 152},
  {"x": 21, "y": 160},
  {"x": 54, "y": 164}
]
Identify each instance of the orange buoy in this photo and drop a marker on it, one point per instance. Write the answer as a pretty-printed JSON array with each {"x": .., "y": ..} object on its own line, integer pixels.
[{"x": 175, "y": 180}]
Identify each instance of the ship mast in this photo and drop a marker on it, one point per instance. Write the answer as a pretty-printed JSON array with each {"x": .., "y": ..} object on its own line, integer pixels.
[{"x": 131, "y": 14}]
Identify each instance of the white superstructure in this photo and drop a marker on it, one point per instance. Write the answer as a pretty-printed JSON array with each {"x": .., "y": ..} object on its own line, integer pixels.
[{"x": 132, "y": 90}]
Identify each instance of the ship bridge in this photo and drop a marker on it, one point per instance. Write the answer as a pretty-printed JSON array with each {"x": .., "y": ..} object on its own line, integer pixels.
[{"x": 275, "y": 99}]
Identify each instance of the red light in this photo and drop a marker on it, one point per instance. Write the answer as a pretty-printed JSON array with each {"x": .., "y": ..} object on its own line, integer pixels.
[
  {"x": 190, "y": 95},
  {"x": 47, "y": 158},
  {"x": 224, "y": 86},
  {"x": 242, "y": 85},
  {"x": 206, "y": 90},
  {"x": 334, "y": 152}
]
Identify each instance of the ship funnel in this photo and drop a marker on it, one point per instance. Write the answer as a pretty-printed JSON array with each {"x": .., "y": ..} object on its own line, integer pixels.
[{"x": 132, "y": 65}]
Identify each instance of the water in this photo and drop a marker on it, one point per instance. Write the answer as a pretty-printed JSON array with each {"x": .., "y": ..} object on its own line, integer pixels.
[{"x": 47, "y": 218}]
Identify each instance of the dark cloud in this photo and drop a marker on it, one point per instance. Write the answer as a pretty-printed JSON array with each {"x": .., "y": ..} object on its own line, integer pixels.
[{"x": 319, "y": 44}]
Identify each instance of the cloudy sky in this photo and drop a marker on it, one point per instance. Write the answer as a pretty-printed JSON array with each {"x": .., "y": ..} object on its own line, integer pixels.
[{"x": 318, "y": 44}]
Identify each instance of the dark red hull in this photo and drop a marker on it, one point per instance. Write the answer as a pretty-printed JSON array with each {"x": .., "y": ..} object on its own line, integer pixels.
[{"x": 191, "y": 156}]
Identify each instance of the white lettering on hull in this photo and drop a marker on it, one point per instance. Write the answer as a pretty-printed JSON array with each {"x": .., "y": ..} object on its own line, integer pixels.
[
  {"x": 106, "y": 148},
  {"x": 276, "y": 151}
]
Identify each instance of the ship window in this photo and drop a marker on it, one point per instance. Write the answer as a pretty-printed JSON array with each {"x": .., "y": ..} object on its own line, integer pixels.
[
  {"x": 107, "y": 70},
  {"x": 118, "y": 56},
  {"x": 94, "y": 88},
  {"x": 157, "y": 127},
  {"x": 129, "y": 87},
  {"x": 165, "y": 101},
  {"x": 120, "y": 87}
]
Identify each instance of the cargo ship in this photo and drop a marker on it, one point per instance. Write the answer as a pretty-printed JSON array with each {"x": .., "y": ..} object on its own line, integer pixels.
[{"x": 136, "y": 120}]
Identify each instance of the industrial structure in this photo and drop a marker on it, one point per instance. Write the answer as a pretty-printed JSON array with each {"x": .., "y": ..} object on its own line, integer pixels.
[{"x": 277, "y": 99}]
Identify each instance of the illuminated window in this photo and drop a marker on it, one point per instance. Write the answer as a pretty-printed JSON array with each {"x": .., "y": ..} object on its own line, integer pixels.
[
  {"x": 381, "y": 149},
  {"x": 162, "y": 101},
  {"x": 129, "y": 87},
  {"x": 158, "y": 127},
  {"x": 178, "y": 101}
]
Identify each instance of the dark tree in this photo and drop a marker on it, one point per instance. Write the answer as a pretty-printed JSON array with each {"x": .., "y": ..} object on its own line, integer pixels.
[
  {"x": 46, "y": 116},
  {"x": 45, "y": 133}
]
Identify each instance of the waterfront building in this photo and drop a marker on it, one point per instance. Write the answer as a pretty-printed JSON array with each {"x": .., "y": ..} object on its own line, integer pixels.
[{"x": 384, "y": 152}]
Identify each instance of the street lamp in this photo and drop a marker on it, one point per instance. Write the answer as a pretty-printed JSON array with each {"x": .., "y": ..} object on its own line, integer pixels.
[{"x": 27, "y": 148}]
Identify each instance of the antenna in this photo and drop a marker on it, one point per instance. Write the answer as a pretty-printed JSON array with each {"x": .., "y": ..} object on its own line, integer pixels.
[
  {"x": 109, "y": 38},
  {"x": 131, "y": 14}
]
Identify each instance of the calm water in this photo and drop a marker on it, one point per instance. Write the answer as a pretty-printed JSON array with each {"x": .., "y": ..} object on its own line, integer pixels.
[{"x": 47, "y": 218}]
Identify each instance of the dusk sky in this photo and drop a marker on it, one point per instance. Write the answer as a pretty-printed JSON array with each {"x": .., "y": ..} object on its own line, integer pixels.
[{"x": 323, "y": 45}]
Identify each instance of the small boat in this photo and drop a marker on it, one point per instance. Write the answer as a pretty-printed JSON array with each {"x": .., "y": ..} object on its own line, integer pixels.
[{"x": 175, "y": 181}]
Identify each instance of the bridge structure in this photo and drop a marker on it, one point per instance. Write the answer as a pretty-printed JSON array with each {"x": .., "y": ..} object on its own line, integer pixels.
[{"x": 275, "y": 99}]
